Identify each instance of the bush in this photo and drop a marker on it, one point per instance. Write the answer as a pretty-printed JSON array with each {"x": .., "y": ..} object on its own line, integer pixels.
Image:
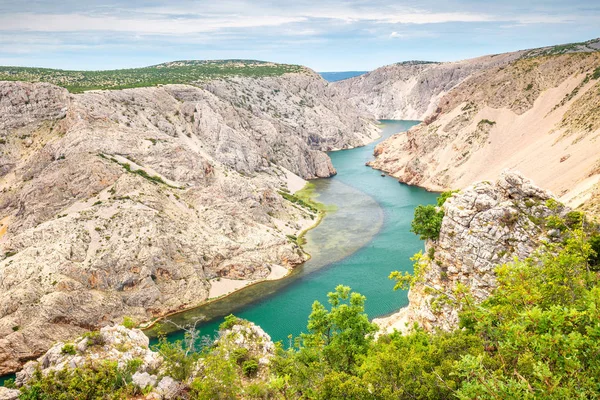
[
  {"x": 179, "y": 362},
  {"x": 250, "y": 367},
  {"x": 427, "y": 222},
  {"x": 219, "y": 381},
  {"x": 68, "y": 348},
  {"x": 94, "y": 338},
  {"x": 230, "y": 321},
  {"x": 129, "y": 323},
  {"x": 239, "y": 355},
  {"x": 103, "y": 381},
  {"x": 441, "y": 200},
  {"x": 594, "y": 257}
]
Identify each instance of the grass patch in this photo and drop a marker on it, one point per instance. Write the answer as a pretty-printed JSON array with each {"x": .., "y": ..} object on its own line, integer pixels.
[
  {"x": 140, "y": 172},
  {"x": 307, "y": 194}
]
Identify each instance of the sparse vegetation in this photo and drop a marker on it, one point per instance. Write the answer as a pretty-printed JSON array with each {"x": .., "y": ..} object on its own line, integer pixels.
[
  {"x": 68, "y": 348},
  {"x": 168, "y": 73},
  {"x": 484, "y": 122},
  {"x": 129, "y": 323}
]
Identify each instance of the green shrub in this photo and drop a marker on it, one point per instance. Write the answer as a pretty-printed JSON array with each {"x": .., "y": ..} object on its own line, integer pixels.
[
  {"x": 229, "y": 322},
  {"x": 219, "y": 380},
  {"x": 129, "y": 323},
  {"x": 179, "y": 362},
  {"x": 68, "y": 348},
  {"x": 574, "y": 218},
  {"x": 427, "y": 222},
  {"x": 250, "y": 367},
  {"x": 94, "y": 338},
  {"x": 239, "y": 355},
  {"x": 594, "y": 257},
  {"x": 445, "y": 196},
  {"x": 101, "y": 381},
  {"x": 486, "y": 122}
]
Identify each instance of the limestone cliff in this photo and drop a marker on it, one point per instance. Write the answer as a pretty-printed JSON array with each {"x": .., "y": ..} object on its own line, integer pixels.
[
  {"x": 485, "y": 225},
  {"x": 536, "y": 114},
  {"x": 137, "y": 202},
  {"x": 414, "y": 89}
]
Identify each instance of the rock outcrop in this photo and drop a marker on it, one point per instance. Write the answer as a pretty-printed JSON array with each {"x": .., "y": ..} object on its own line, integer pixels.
[
  {"x": 129, "y": 347},
  {"x": 136, "y": 202},
  {"x": 539, "y": 115},
  {"x": 485, "y": 225},
  {"x": 111, "y": 343}
]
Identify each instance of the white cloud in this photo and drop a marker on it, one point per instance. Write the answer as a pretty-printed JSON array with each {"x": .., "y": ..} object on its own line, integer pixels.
[{"x": 81, "y": 23}]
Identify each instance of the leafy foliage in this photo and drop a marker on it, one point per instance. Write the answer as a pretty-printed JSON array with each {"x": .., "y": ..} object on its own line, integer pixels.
[
  {"x": 427, "y": 221},
  {"x": 179, "y": 360},
  {"x": 97, "y": 381}
]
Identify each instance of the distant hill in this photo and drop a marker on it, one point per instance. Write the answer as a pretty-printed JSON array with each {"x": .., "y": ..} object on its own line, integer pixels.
[
  {"x": 188, "y": 71},
  {"x": 340, "y": 75}
]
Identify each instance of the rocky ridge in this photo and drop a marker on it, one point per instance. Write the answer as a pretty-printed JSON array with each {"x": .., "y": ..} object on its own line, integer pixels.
[
  {"x": 137, "y": 202},
  {"x": 412, "y": 90},
  {"x": 537, "y": 114},
  {"x": 415, "y": 89},
  {"x": 485, "y": 225}
]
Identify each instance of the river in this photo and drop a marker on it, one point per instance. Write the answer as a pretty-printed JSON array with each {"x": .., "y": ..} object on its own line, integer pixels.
[{"x": 358, "y": 245}]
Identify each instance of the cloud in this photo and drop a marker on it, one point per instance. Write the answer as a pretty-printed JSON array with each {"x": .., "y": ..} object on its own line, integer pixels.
[{"x": 82, "y": 23}]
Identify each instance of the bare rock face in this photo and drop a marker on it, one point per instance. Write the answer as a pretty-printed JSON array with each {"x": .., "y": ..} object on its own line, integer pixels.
[
  {"x": 508, "y": 117},
  {"x": 8, "y": 394},
  {"x": 131, "y": 202},
  {"x": 412, "y": 90},
  {"x": 484, "y": 226}
]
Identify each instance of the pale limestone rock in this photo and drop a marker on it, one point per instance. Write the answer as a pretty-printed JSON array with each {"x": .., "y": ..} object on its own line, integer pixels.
[
  {"x": 84, "y": 242},
  {"x": 412, "y": 90},
  {"x": 143, "y": 380},
  {"x": 114, "y": 343},
  {"x": 485, "y": 225},
  {"x": 8, "y": 394},
  {"x": 168, "y": 388}
]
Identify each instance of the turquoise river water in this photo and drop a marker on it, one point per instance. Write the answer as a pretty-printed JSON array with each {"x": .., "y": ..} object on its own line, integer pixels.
[{"x": 358, "y": 245}]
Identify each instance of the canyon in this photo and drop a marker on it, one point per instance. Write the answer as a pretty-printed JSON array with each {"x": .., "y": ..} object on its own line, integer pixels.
[{"x": 146, "y": 201}]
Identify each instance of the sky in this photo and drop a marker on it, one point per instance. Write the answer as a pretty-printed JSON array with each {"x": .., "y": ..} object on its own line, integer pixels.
[{"x": 323, "y": 35}]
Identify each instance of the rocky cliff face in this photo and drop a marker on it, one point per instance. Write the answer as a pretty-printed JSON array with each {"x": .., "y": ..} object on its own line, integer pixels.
[
  {"x": 136, "y": 202},
  {"x": 538, "y": 114},
  {"x": 412, "y": 90},
  {"x": 485, "y": 225}
]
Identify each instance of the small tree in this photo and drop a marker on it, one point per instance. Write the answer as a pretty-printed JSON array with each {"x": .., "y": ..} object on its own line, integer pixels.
[
  {"x": 428, "y": 219},
  {"x": 342, "y": 333},
  {"x": 427, "y": 222}
]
